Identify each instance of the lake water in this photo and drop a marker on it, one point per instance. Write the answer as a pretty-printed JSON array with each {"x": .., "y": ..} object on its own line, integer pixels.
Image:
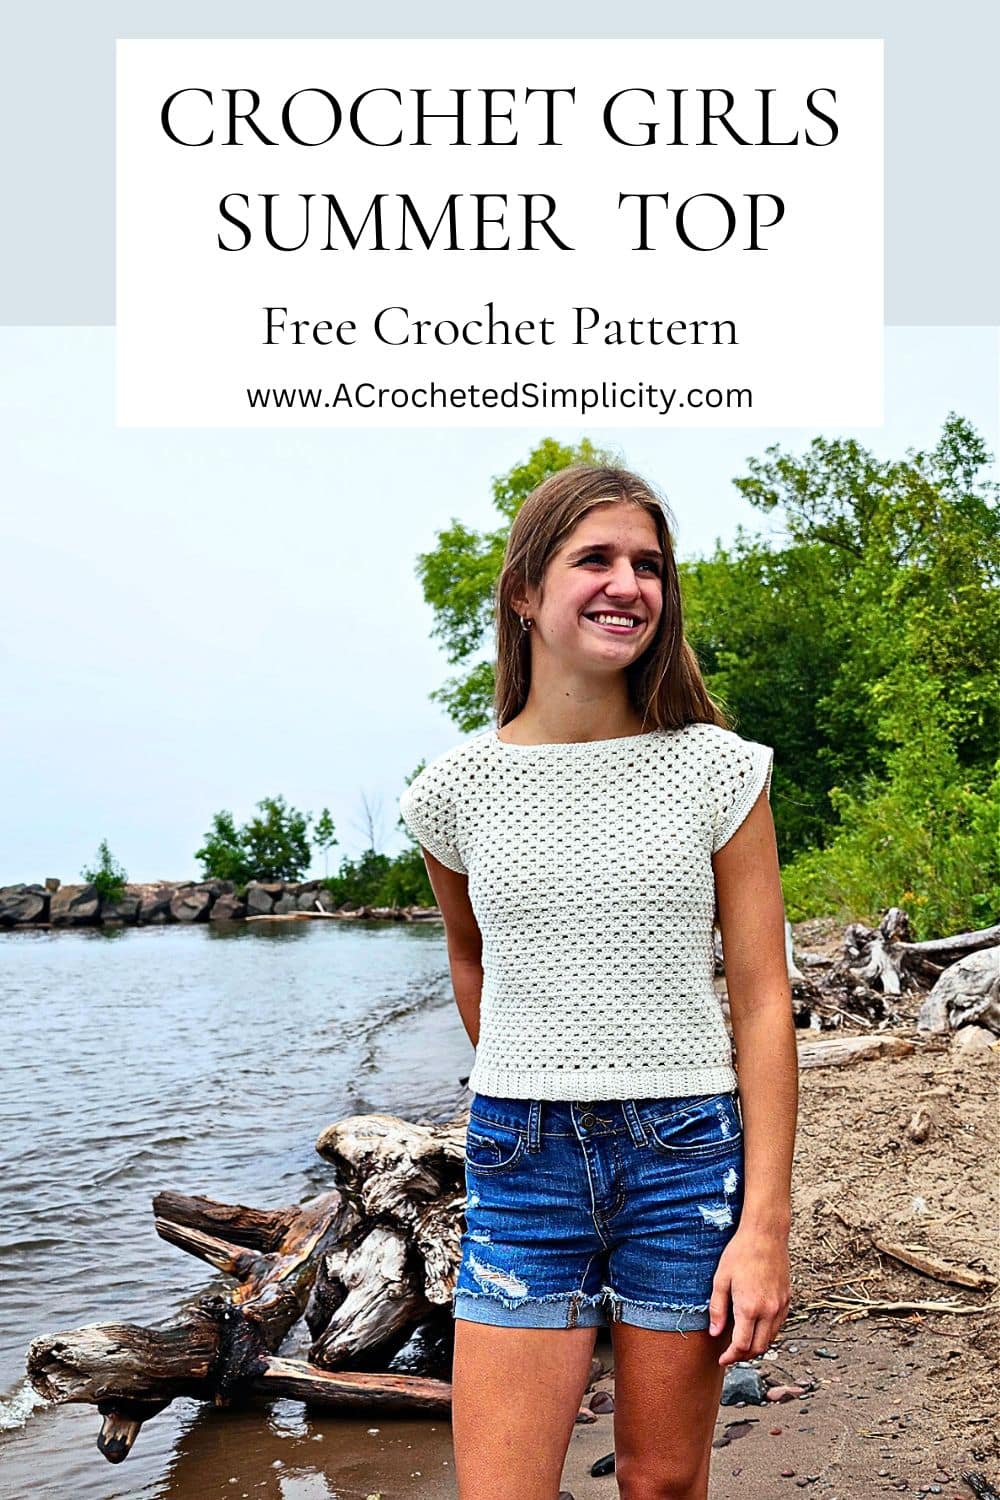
[{"x": 206, "y": 1062}]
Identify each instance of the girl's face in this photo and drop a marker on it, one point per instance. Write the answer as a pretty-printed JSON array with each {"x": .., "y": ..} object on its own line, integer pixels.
[{"x": 602, "y": 591}]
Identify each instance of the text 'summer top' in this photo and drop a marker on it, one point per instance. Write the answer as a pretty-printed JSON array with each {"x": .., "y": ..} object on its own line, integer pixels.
[{"x": 590, "y": 875}]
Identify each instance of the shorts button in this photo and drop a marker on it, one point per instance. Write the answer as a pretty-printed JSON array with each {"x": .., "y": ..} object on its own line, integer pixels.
[{"x": 588, "y": 1121}]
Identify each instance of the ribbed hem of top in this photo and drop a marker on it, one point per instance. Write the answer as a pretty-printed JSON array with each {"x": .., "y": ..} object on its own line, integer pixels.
[{"x": 587, "y": 1084}]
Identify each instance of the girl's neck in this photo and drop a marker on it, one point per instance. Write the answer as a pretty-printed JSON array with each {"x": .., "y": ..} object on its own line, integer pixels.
[{"x": 568, "y": 722}]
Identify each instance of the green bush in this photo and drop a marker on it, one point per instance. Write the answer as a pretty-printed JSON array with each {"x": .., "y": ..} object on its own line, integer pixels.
[
  {"x": 378, "y": 880},
  {"x": 108, "y": 876},
  {"x": 924, "y": 838}
]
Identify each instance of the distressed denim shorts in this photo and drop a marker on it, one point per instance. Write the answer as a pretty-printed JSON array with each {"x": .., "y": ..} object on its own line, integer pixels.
[{"x": 571, "y": 1208}]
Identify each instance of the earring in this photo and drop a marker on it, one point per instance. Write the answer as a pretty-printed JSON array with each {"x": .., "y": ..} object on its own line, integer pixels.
[{"x": 526, "y": 624}]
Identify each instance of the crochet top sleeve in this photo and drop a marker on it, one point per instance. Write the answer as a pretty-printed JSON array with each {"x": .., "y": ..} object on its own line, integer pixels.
[
  {"x": 430, "y": 812},
  {"x": 741, "y": 770}
]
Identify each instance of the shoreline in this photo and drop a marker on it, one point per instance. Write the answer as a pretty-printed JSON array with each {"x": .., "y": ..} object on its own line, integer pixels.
[{"x": 159, "y": 903}]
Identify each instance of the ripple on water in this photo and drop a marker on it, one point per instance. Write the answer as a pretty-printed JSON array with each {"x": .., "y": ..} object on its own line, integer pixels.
[
  {"x": 16, "y": 1408},
  {"x": 171, "y": 1059}
]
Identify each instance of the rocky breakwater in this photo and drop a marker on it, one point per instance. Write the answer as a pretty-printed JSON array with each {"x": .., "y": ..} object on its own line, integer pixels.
[{"x": 154, "y": 903}]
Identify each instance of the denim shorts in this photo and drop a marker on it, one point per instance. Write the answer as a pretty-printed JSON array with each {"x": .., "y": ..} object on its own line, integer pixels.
[{"x": 573, "y": 1208}]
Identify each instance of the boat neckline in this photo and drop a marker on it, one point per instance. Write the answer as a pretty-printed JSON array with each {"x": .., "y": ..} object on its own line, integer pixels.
[{"x": 578, "y": 745}]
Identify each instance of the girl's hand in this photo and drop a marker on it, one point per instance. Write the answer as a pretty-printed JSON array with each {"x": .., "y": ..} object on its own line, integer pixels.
[{"x": 753, "y": 1272}]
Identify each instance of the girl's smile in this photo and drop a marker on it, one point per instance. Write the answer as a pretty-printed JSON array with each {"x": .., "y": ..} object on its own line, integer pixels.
[{"x": 604, "y": 587}]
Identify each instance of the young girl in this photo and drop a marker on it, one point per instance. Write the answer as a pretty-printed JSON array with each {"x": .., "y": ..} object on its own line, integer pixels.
[{"x": 615, "y": 1173}]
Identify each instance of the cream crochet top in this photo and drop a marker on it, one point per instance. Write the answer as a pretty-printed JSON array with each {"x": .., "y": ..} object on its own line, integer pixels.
[{"x": 590, "y": 875}]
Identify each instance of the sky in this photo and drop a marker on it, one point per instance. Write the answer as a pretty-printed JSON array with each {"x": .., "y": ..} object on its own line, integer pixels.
[{"x": 194, "y": 620}]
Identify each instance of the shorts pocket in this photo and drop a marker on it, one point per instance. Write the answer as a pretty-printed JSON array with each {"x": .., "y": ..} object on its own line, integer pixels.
[
  {"x": 492, "y": 1148},
  {"x": 706, "y": 1127}
]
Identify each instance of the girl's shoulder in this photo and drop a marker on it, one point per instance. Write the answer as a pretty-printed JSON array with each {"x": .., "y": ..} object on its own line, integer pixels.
[
  {"x": 430, "y": 806},
  {"x": 733, "y": 772}
]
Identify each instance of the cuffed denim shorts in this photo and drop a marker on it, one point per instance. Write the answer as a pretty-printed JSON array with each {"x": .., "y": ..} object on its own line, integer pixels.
[{"x": 575, "y": 1208}]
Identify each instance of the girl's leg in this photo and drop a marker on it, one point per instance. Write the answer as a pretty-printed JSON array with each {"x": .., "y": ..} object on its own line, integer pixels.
[
  {"x": 667, "y": 1389},
  {"x": 515, "y": 1396}
]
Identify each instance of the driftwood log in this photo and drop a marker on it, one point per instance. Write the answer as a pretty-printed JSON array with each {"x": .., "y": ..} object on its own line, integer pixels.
[
  {"x": 880, "y": 971},
  {"x": 370, "y": 1265}
]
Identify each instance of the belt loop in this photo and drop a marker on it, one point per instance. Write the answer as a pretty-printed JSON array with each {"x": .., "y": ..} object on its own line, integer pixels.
[
  {"x": 634, "y": 1122},
  {"x": 534, "y": 1125}
]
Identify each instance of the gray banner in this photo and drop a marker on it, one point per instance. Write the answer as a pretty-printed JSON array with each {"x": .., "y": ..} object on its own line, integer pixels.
[{"x": 57, "y": 120}]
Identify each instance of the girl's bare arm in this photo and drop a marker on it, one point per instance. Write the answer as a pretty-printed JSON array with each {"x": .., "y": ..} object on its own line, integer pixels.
[
  {"x": 465, "y": 941},
  {"x": 752, "y": 922}
]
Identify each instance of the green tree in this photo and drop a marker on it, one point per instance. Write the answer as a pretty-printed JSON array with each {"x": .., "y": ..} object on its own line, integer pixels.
[
  {"x": 223, "y": 854},
  {"x": 886, "y": 574},
  {"x": 272, "y": 846},
  {"x": 912, "y": 548},
  {"x": 108, "y": 876},
  {"x": 875, "y": 623},
  {"x": 277, "y": 841},
  {"x": 325, "y": 837},
  {"x": 460, "y": 575},
  {"x": 763, "y": 623}
]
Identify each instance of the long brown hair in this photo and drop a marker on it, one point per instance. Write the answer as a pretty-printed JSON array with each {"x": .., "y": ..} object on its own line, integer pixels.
[{"x": 665, "y": 684}]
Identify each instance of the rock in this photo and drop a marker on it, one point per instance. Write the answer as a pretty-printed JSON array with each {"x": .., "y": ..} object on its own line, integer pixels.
[
  {"x": 325, "y": 900},
  {"x": 967, "y": 991},
  {"x": 228, "y": 908},
  {"x": 742, "y": 1382},
  {"x": 123, "y": 912},
  {"x": 972, "y": 1039},
  {"x": 74, "y": 906},
  {"x": 602, "y": 1402},
  {"x": 272, "y": 888},
  {"x": 306, "y": 901},
  {"x": 51, "y": 883},
  {"x": 154, "y": 903},
  {"x": 786, "y": 1392},
  {"x": 258, "y": 901},
  {"x": 426, "y": 1349},
  {"x": 285, "y": 904},
  {"x": 192, "y": 904},
  {"x": 23, "y": 903}
]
